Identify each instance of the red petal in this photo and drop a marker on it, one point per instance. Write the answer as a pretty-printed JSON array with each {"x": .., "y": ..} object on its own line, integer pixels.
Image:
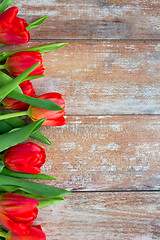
[
  {"x": 17, "y": 228},
  {"x": 9, "y": 15}
]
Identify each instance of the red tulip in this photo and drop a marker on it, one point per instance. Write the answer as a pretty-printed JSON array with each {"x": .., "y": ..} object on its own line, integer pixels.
[
  {"x": 54, "y": 118},
  {"x": 21, "y": 61},
  {"x": 35, "y": 233},
  {"x": 27, "y": 89},
  {"x": 17, "y": 212},
  {"x": 13, "y": 29},
  {"x": 25, "y": 157}
]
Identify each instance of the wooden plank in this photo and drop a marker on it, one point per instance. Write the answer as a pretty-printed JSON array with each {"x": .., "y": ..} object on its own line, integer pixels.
[
  {"x": 93, "y": 19},
  {"x": 108, "y": 216},
  {"x": 104, "y": 153},
  {"x": 103, "y": 77}
]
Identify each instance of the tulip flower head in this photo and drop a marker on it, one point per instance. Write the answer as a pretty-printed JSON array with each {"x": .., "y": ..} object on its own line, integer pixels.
[
  {"x": 17, "y": 212},
  {"x": 12, "y": 28},
  {"x": 54, "y": 118},
  {"x": 25, "y": 157},
  {"x": 21, "y": 61},
  {"x": 35, "y": 233},
  {"x": 27, "y": 89}
]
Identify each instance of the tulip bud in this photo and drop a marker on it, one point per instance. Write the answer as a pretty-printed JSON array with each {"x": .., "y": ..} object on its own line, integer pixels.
[
  {"x": 13, "y": 29},
  {"x": 27, "y": 89},
  {"x": 35, "y": 233},
  {"x": 54, "y": 118},
  {"x": 17, "y": 212},
  {"x": 25, "y": 157},
  {"x": 21, "y": 61}
]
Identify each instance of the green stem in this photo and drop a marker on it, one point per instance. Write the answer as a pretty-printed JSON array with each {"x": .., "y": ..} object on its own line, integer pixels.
[
  {"x": 1, "y": 155},
  {"x": 2, "y": 66},
  {"x": 3, "y": 233},
  {"x": 11, "y": 115}
]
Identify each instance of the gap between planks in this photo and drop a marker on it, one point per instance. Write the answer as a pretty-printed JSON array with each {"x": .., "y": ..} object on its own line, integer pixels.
[
  {"x": 97, "y": 40},
  {"x": 117, "y": 191},
  {"x": 111, "y": 115}
]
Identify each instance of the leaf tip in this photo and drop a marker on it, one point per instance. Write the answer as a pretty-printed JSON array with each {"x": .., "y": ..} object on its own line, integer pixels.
[{"x": 64, "y": 44}]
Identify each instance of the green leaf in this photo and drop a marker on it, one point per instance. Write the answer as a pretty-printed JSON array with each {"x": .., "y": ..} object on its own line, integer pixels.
[
  {"x": 41, "y": 49},
  {"x": 8, "y": 87},
  {"x": 47, "y": 48},
  {"x": 1, "y": 166},
  {"x": 15, "y": 122},
  {"x": 6, "y": 79},
  {"x": 39, "y": 189},
  {"x": 36, "y": 23},
  {"x": 39, "y": 136},
  {"x": 20, "y": 191},
  {"x": 4, "y": 127},
  {"x": 3, "y": 234},
  {"x": 10, "y": 123},
  {"x": 4, "y": 188},
  {"x": 4, "y": 4},
  {"x": 50, "y": 202},
  {"x": 37, "y": 102},
  {"x": 8, "y": 172},
  {"x": 12, "y": 138},
  {"x": 18, "y": 95},
  {"x": 24, "y": 193},
  {"x": 33, "y": 77}
]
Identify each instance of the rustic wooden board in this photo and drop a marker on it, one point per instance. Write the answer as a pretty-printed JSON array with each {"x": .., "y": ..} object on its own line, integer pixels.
[
  {"x": 95, "y": 152},
  {"x": 93, "y": 19},
  {"x": 103, "y": 77},
  {"x": 105, "y": 153},
  {"x": 108, "y": 216}
]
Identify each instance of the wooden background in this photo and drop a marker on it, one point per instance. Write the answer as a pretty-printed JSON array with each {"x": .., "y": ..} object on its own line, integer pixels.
[{"x": 108, "y": 153}]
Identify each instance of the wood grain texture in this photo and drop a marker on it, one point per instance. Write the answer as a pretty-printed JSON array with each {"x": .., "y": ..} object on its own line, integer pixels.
[
  {"x": 93, "y": 19},
  {"x": 103, "y": 216},
  {"x": 103, "y": 77},
  {"x": 95, "y": 151},
  {"x": 105, "y": 153}
]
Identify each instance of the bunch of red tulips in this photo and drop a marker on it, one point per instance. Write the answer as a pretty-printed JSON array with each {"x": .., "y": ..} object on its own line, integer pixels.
[{"x": 19, "y": 159}]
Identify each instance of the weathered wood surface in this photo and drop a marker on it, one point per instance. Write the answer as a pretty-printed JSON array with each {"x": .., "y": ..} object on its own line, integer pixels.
[
  {"x": 103, "y": 216},
  {"x": 93, "y": 19},
  {"x": 96, "y": 151},
  {"x": 103, "y": 77},
  {"x": 105, "y": 153}
]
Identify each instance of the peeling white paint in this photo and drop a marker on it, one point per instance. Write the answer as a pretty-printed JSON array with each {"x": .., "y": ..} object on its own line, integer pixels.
[
  {"x": 143, "y": 237},
  {"x": 102, "y": 148},
  {"x": 112, "y": 147},
  {"x": 116, "y": 127}
]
